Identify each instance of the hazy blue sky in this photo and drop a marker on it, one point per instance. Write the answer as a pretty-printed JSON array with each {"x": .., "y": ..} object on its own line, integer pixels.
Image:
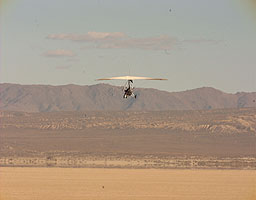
[{"x": 199, "y": 43}]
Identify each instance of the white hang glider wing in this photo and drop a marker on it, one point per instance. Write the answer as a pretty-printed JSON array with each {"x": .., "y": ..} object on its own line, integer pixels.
[{"x": 130, "y": 78}]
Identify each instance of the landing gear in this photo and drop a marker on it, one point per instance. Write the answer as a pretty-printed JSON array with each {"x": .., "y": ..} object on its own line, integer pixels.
[{"x": 134, "y": 95}]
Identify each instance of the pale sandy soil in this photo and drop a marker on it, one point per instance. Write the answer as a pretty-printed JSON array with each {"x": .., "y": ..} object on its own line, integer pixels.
[{"x": 123, "y": 184}]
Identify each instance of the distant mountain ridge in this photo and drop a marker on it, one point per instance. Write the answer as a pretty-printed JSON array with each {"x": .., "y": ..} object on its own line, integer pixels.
[{"x": 46, "y": 98}]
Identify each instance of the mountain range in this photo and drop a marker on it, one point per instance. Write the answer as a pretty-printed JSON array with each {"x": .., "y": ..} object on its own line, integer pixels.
[{"x": 100, "y": 97}]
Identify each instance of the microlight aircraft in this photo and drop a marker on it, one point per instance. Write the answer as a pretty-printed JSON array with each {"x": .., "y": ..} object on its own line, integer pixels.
[{"x": 128, "y": 88}]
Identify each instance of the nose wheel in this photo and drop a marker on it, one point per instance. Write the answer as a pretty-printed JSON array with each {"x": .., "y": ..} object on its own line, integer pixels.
[{"x": 133, "y": 95}]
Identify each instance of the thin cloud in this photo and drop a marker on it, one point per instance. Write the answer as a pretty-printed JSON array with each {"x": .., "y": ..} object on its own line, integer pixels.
[
  {"x": 119, "y": 40},
  {"x": 63, "y": 67},
  {"x": 151, "y": 43},
  {"x": 200, "y": 41},
  {"x": 59, "y": 53},
  {"x": 89, "y": 37}
]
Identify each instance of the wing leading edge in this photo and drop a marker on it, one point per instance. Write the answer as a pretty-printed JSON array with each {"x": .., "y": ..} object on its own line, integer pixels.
[{"x": 130, "y": 78}]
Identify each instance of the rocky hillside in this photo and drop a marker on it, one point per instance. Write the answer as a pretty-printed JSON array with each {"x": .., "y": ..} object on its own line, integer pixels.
[
  {"x": 45, "y": 98},
  {"x": 219, "y": 121}
]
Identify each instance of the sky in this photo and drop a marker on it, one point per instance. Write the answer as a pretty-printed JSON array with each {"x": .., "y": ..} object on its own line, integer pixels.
[{"x": 199, "y": 43}]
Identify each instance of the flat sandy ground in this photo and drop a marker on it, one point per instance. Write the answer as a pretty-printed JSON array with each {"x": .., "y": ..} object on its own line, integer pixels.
[{"x": 122, "y": 184}]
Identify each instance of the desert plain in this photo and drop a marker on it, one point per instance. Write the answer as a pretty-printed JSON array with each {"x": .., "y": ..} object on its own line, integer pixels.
[
  {"x": 115, "y": 184},
  {"x": 206, "y": 154}
]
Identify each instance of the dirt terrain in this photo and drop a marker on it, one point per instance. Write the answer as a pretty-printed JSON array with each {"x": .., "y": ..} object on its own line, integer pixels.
[
  {"x": 222, "y": 139},
  {"x": 116, "y": 184}
]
